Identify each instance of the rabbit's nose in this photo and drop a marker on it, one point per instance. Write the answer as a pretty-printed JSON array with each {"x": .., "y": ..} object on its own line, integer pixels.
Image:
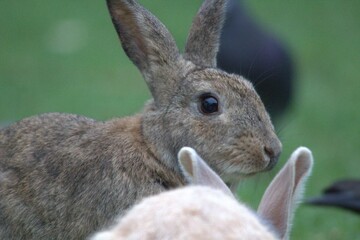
[{"x": 273, "y": 153}]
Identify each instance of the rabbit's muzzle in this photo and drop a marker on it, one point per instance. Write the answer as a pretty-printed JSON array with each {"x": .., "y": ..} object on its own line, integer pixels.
[
  {"x": 272, "y": 153},
  {"x": 249, "y": 155}
]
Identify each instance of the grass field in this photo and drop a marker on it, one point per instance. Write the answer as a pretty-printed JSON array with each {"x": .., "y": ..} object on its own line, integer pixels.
[{"x": 64, "y": 56}]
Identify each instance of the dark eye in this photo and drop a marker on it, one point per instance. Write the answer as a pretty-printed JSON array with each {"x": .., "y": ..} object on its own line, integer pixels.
[{"x": 208, "y": 104}]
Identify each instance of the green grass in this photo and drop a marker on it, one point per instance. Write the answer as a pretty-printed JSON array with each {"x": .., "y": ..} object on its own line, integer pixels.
[{"x": 64, "y": 56}]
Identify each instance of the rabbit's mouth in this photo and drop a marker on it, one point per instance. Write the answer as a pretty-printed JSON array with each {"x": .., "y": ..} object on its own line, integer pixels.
[
  {"x": 247, "y": 161},
  {"x": 241, "y": 169},
  {"x": 246, "y": 155}
]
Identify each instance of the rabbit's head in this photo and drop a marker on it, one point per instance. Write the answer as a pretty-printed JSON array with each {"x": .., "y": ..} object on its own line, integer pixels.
[{"x": 194, "y": 103}]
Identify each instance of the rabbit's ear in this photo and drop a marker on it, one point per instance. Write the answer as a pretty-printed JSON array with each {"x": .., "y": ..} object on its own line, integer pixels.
[
  {"x": 147, "y": 43},
  {"x": 285, "y": 191},
  {"x": 203, "y": 41},
  {"x": 198, "y": 172}
]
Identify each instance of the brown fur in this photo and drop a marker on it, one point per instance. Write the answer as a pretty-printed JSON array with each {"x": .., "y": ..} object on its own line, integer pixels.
[
  {"x": 69, "y": 169},
  {"x": 63, "y": 176}
]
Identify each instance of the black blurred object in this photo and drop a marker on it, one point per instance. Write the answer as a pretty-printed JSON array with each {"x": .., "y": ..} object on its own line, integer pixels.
[
  {"x": 344, "y": 194},
  {"x": 248, "y": 50}
]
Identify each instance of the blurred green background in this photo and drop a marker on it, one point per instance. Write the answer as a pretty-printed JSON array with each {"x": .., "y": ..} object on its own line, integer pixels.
[{"x": 64, "y": 56}]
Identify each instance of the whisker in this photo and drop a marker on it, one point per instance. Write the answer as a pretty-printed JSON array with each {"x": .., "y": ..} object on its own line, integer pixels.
[{"x": 258, "y": 83}]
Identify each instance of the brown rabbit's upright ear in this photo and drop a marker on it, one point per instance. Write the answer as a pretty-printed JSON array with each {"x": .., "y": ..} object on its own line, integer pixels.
[
  {"x": 281, "y": 197},
  {"x": 198, "y": 172},
  {"x": 148, "y": 44},
  {"x": 203, "y": 41}
]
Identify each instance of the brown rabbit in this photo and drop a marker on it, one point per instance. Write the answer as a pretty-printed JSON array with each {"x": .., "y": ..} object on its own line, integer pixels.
[
  {"x": 62, "y": 176},
  {"x": 210, "y": 211}
]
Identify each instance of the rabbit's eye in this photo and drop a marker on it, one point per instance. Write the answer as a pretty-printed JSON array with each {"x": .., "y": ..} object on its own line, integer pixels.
[{"x": 208, "y": 104}]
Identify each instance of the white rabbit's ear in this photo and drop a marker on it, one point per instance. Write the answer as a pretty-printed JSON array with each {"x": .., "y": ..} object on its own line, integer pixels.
[
  {"x": 198, "y": 172},
  {"x": 203, "y": 41},
  {"x": 148, "y": 44},
  {"x": 285, "y": 191},
  {"x": 105, "y": 235}
]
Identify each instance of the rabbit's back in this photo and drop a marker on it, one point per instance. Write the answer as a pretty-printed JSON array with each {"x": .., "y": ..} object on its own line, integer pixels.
[
  {"x": 42, "y": 142},
  {"x": 65, "y": 175}
]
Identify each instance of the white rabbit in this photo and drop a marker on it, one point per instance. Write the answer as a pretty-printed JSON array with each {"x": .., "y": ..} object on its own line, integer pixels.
[{"x": 210, "y": 211}]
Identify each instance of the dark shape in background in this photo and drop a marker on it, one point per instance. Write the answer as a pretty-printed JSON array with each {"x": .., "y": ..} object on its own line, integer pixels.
[
  {"x": 343, "y": 194},
  {"x": 248, "y": 50}
]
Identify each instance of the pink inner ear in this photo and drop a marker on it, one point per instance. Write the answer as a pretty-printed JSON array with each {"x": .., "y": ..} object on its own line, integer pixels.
[
  {"x": 279, "y": 200},
  {"x": 199, "y": 173},
  {"x": 276, "y": 202},
  {"x": 185, "y": 159},
  {"x": 302, "y": 166}
]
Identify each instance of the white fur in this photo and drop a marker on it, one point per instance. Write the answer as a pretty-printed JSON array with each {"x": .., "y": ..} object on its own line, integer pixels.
[
  {"x": 196, "y": 212},
  {"x": 210, "y": 212}
]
